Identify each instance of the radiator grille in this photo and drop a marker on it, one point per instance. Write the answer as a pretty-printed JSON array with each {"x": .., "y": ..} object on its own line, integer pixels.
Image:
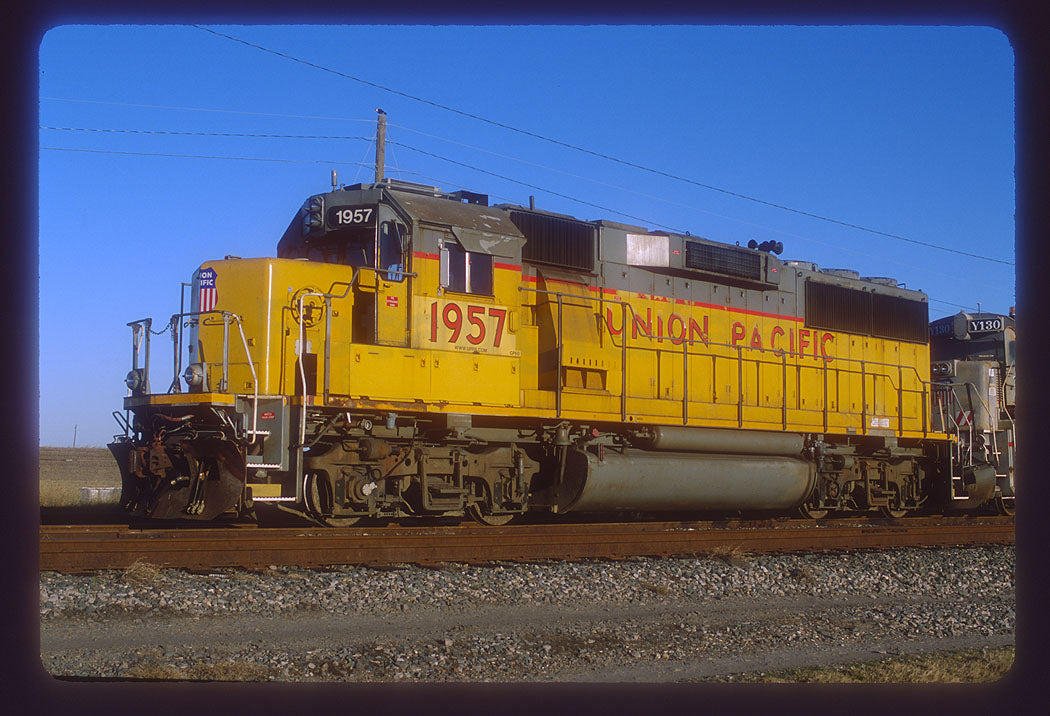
[
  {"x": 555, "y": 241},
  {"x": 724, "y": 260},
  {"x": 894, "y": 317},
  {"x": 836, "y": 308}
]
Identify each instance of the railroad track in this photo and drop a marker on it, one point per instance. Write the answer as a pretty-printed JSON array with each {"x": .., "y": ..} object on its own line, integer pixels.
[{"x": 78, "y": 548}]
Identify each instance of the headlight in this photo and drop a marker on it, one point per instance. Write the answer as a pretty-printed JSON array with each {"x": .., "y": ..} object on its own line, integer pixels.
[
  {"x": 194, "y": 375},
  {"x": 134, "y": 379},
  {"x": 942, "y": 369}
]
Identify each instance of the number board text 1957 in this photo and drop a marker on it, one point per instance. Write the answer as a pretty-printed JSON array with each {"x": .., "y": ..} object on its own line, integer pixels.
[{"x": 340, "y": 217}]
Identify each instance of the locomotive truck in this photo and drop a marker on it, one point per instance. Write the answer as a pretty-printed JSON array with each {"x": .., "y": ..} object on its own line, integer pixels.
[{"x": 413, "y": 352}]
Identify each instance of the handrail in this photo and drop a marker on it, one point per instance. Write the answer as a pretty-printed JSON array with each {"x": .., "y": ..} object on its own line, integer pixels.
[
  {"x": 139, "y": 329},
  {"x": 782, "y": 354},
  {"x": 174, "y": 321},
  {"x": 776, "y": 351},
  {"x": 354, "y": 276},
  {"x": 224, "y": 385},
  {"x": 327, "y": 340},
  {"x": 328, "y": 296}
]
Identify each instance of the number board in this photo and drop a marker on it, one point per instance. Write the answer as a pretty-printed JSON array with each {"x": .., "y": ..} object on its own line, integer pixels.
[
  {"x": 464, "y": 326},
  {"x": 986, "y": 325},
  {"x": 341, "y": 217},
  {"x": 940, "y": 329}
]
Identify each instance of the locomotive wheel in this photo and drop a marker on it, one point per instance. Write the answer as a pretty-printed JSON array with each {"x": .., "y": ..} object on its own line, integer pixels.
[
  {"x": 1004, "y": 505},
  {"x": 481, "y": 516},
  {"x": 811, "y": 513},
  {"x": 894, "y": 510},
  {"x": 892, "y": 513},
  {"x": 320, "y": 502}
]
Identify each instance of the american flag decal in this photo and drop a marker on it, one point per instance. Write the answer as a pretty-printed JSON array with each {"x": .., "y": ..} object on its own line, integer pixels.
[{"x": 208, "y": 292}]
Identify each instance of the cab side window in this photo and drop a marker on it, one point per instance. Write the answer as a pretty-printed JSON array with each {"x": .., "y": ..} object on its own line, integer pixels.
[
  {"x": 465, "y": 271},
  {"x": 391, "y": 250}
]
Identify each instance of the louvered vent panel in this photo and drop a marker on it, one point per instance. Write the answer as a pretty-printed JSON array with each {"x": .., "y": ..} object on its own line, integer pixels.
[
  {"x": 554, "y": 241},
  {"x": 723, "y": 259},
  {"x": 900, "y": 318},
  {"x": 836, "y": 308}
]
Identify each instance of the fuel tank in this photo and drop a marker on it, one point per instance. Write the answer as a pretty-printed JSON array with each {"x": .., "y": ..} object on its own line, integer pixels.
[{"x": 637, "y": 480}]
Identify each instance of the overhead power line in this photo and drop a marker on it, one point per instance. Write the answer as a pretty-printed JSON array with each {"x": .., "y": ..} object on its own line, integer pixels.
[
  {"x": 369, "y": 139},
  {"x": 207, "y": 134},
  {"x": 207, "y": 109},
  {"x": 438, "y": 181},
  {"x": 654, "y": 197},
  {"x": 207, "y": 156},
  {"x": 361, "y": 164},
  {"x": 601, "y": 155},
  {"x": 500, "y": 176}
]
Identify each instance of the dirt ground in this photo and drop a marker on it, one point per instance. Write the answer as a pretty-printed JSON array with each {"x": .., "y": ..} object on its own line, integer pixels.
[
  {"x": 82, "y": 645},
  {"x": 88, "y": 467},
  {"x": 64, "y": 471}
]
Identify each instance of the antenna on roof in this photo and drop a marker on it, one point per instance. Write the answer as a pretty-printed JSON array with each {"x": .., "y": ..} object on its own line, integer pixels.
[{"x": 380, "y": 144}]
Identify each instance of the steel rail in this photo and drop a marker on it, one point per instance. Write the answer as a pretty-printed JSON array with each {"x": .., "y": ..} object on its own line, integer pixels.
[{"x": 78, "y": 548}]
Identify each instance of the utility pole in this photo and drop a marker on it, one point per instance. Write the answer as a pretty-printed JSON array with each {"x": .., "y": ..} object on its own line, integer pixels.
[
  {"x": 380, "y": 145},
  {"x": 74, "y": 435}
]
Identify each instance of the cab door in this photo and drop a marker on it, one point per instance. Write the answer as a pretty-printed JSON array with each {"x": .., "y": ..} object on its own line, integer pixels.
[{"x": 392, "y": 286}]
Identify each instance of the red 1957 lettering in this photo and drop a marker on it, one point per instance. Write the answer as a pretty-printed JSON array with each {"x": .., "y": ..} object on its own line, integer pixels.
[
  {"x": 455, "y": 325},
  {"x": 472, "y": 317},
  {"x": 500, "y": 314},
  {"x": 452, "y": 318}
]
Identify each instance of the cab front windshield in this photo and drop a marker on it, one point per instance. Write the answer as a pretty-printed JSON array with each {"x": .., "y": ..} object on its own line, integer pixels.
[
  {"x": 350, "y": 247},
  {"x": 357, "y": 247}
]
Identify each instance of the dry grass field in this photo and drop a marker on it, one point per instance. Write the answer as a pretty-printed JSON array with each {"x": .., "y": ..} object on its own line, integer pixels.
[{"x": 63, "y": 471}]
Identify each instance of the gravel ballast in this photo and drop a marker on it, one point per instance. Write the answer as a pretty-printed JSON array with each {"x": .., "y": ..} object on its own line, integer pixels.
[{"x": 644, "y": 619}]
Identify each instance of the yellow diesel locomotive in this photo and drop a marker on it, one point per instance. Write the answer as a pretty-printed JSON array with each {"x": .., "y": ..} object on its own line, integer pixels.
[{"x": 411, "y": 352}]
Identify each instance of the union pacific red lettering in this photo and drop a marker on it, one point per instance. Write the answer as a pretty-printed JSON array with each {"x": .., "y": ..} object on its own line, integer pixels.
[
  {"x": 696, "y": 330},
  {"x": 756, "y": 338},
  {"x": 609, "y": 323},
  {"x": 803, "y": 340},
  {"x": 647, "y": 326},
  {"x": 659, "y": 329},
  {"x": 777, "y": 331},
  {"x": 823, "y": 345},
  {"x": 680, "y": 337},
  {"x": 738, "y": 332}
]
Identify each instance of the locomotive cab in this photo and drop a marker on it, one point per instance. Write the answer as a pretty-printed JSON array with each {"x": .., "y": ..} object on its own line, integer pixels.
[
  {"x": 356, "y": 228},
  {"x": 974, "y": 386}
]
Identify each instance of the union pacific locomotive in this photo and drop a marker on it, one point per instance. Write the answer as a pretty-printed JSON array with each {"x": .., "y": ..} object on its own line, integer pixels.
[{"x": 411, "y": 352}]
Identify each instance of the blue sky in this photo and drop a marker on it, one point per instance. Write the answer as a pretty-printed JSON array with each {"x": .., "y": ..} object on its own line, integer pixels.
[{"x": 899, "y": 130}]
